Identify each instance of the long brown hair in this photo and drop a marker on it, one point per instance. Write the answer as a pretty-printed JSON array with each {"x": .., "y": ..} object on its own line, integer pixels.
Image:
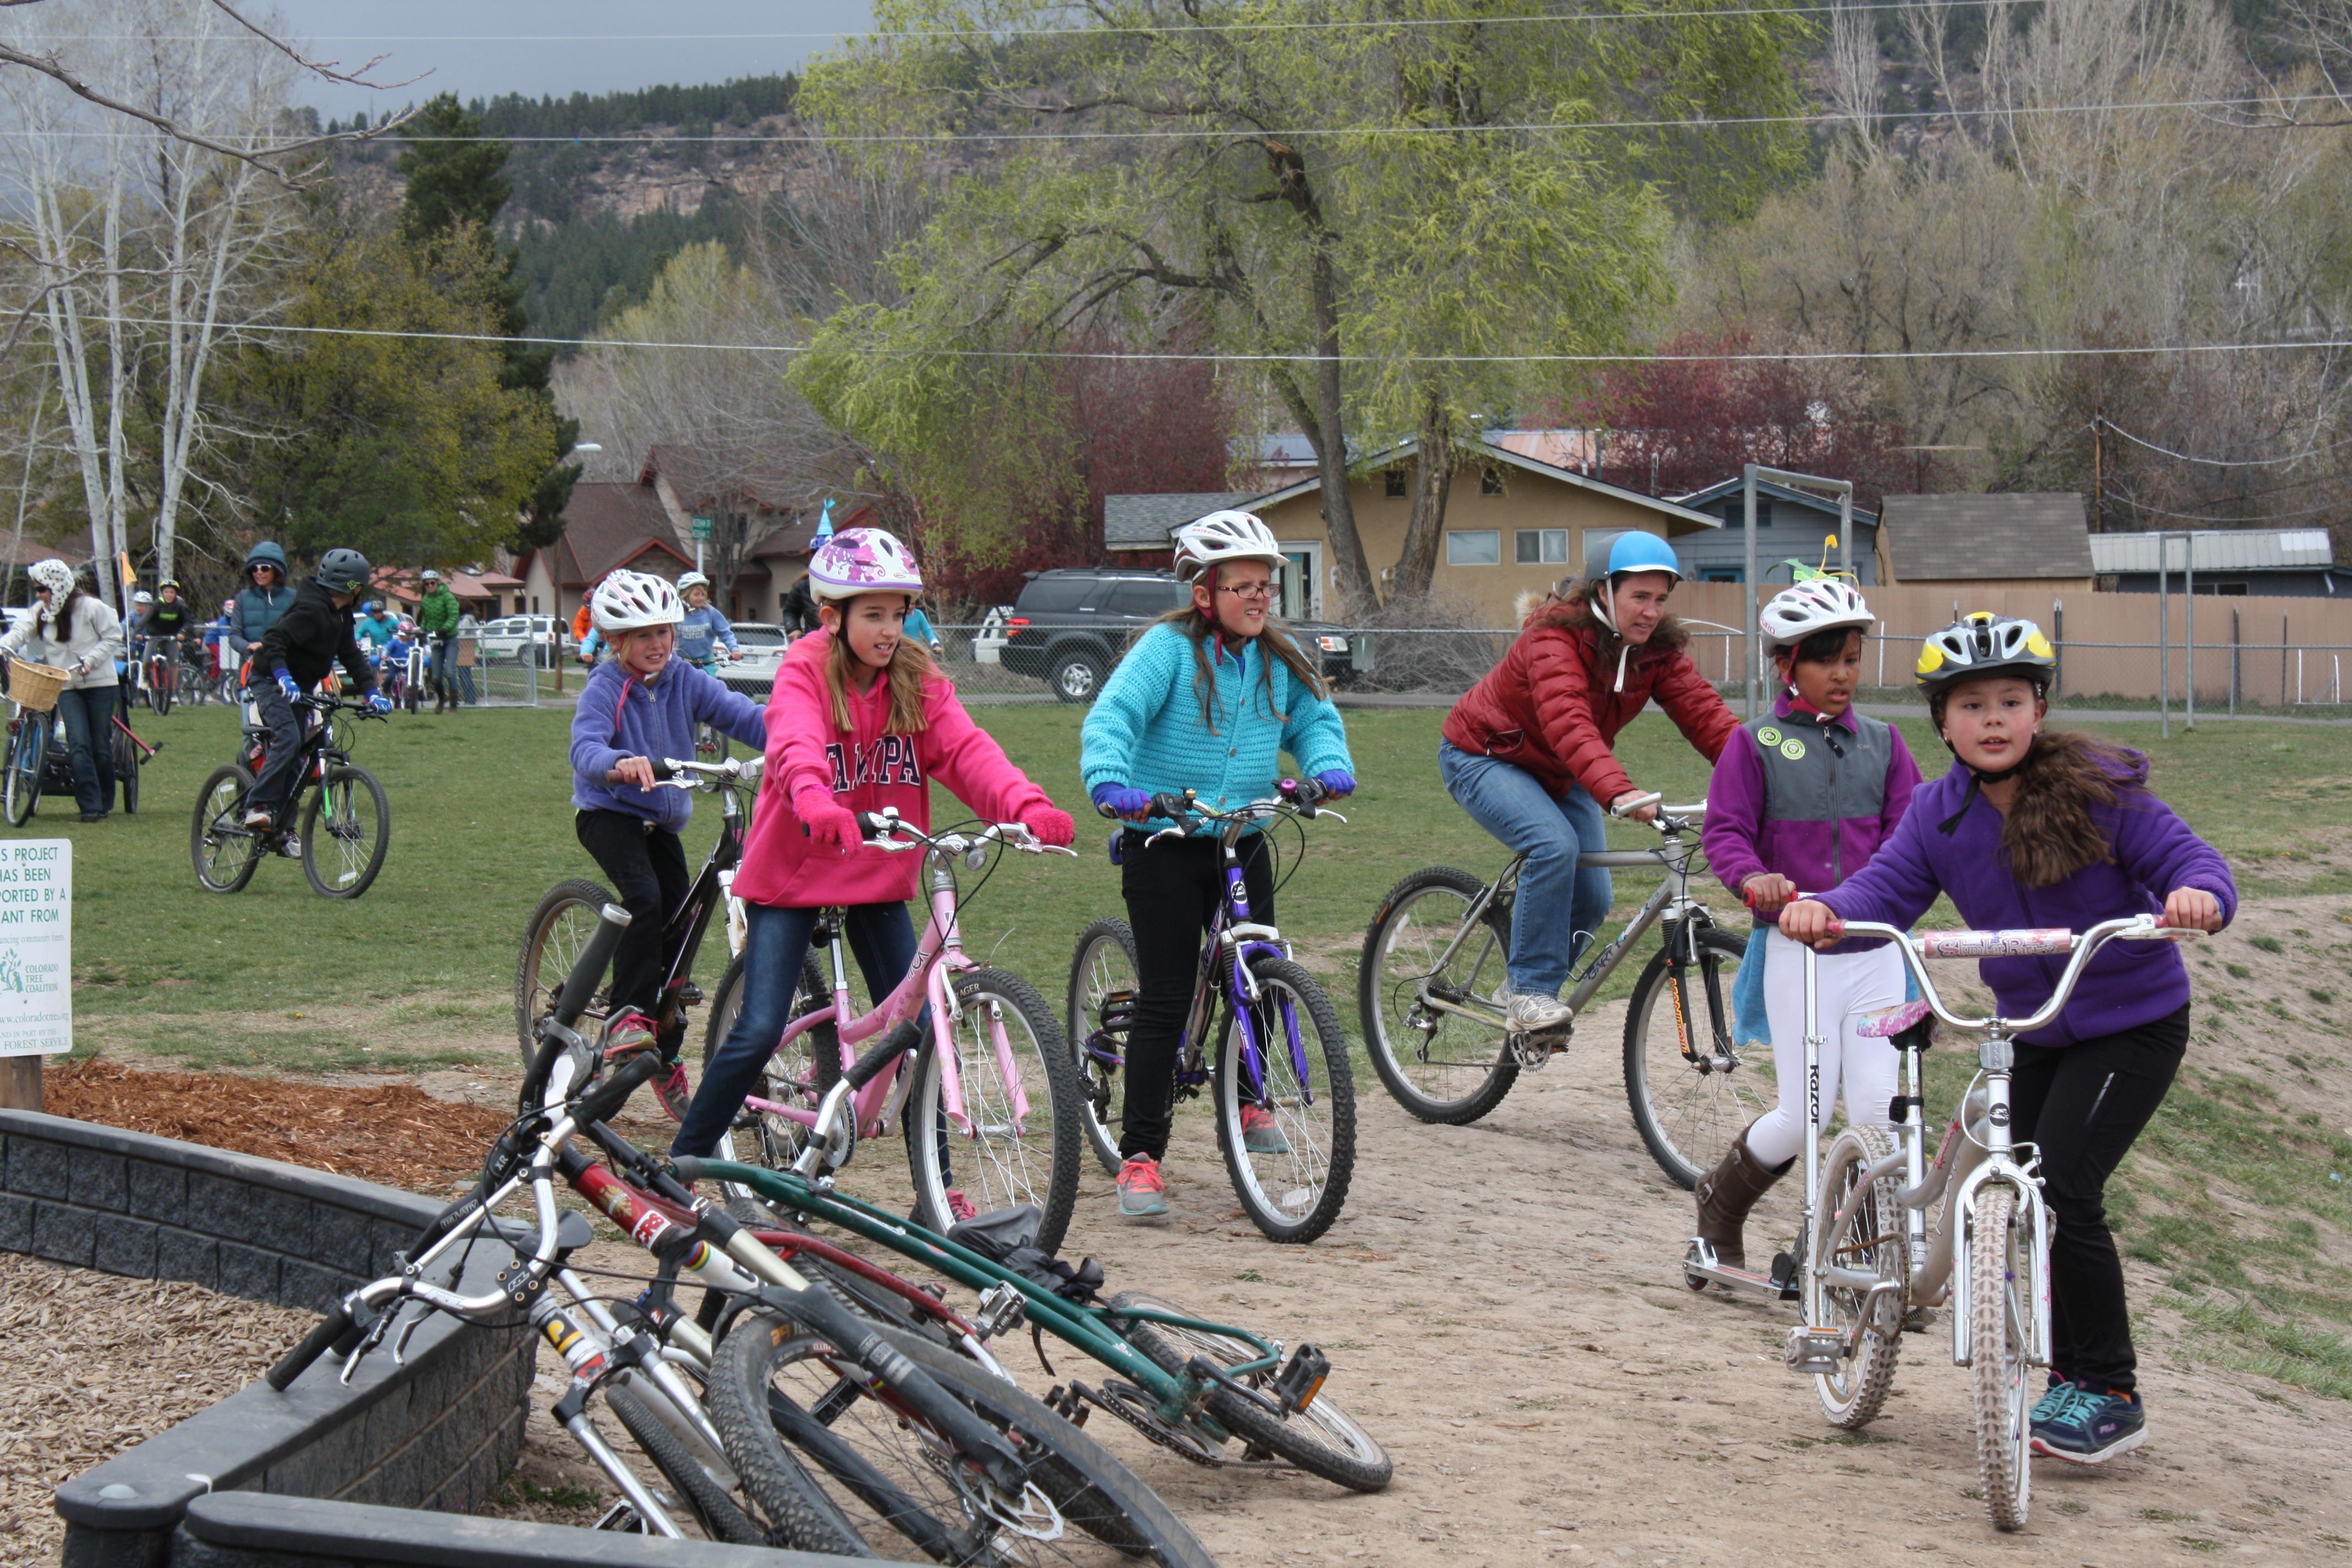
[
  {"x": 1203, "y": 629},
  {"x": 2049, "y": 834},
  {"x": 911, "y": 666}
]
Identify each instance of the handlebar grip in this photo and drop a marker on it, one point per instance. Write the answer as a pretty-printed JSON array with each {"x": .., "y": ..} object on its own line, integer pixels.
[
  {"x": 612, "y": 921},
  {"x": 333, "y": 1331},
  {"x": 1175, "y": 807},
  {"x": 874, "y": 827},
  {"x": 599, "y": 1102}
]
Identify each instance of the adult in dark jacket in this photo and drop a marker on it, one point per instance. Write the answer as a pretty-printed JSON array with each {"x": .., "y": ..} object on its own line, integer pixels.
[
  {"x": 303, "y": 645},
  {"x": 266, "y": 594},
  {"x": 1528, "y": 752},
  {"x": 798, "y": 610}
]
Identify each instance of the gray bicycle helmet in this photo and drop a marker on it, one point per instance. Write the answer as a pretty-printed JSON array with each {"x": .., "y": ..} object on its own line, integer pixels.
[{"x": 342, "y": 572}]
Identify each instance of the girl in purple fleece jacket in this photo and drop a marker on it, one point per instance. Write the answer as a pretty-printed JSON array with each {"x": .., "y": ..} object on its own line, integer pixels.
[
  {"x": 2031, "y": 829},
  {"x": 1801, "y": 800}
]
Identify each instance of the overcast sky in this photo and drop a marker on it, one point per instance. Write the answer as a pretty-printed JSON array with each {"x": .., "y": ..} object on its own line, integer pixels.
[{"x": 480, "y": 48}]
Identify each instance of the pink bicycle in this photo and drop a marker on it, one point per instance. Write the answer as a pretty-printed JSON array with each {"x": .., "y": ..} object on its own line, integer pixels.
[{"x": 991, "y": 1084}]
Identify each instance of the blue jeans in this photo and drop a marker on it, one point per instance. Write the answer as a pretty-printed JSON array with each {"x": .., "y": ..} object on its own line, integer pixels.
[
  {"x": 89, "y": 712},
  {"x": 881, "y": 938},
  {"x": 1561, "y": 907}
]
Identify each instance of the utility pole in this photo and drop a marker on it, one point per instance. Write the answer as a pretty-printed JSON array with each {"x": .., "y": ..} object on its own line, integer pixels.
[{"x": 2098, "y": 472}]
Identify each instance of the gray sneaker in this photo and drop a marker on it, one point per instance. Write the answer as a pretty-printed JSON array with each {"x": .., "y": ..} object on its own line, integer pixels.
[
  {"x": 1534, "y": 1012},
  {"x": 1142, "y": 1195}
]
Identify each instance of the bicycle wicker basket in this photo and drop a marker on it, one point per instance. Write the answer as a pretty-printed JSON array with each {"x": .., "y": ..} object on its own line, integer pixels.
[{"x": 35, "y": 686}]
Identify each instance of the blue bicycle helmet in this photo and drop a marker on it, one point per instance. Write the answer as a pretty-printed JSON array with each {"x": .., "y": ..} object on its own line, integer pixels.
[{"x": 1608, "y": 556}]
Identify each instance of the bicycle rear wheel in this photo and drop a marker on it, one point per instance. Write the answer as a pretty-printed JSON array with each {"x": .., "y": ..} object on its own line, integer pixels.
[
  {"x": 796, "y": 1075},
  {"x": 125, "y": 756},
  {"x": 1322, "y": 1440},
  {"x": 29, "y": 753},
  {"x": 1871, "y": 1239},
  {"x": 1020, "y": 1141},
  {"x": 346, "y": 829},
  {"x": 553, "y": 940},
  {"x": 1294, "y": 1182},
  {"x": 788, "y": 1404},
  {"x": 1441, "y": 1067},
  {"x": 1690, "y": 1089},
  {"x": 2000, "y": 1334},
  {"x": 225, "y": 850},
  {"x": 1102, "y": 970}
]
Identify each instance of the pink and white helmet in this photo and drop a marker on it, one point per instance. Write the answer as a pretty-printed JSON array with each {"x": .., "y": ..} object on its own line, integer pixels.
[
  {"x": 863, "y": 560},
  {"x": 626, "y": 600}
]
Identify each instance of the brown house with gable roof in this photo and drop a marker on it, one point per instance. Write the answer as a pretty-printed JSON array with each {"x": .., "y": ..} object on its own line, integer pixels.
[{"x": 605, "y": 527}]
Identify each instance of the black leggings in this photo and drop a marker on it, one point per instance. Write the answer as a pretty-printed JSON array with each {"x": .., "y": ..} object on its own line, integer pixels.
[
  {"x": 2084, "y": 1105},
  {"x": 1172, "y": 890},
  {"x": 648, "y": 866}
]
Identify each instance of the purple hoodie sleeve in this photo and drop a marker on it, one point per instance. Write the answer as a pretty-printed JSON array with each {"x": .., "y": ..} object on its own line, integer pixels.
[
  {"x": 2155, "y": 849},
  {"x": 1899, "y": 884},
  {"x": 1735, "y": 811},
  {"x": 716, "y": 703},
  {"x": 1901, "y": 778},
  {"x": 592, "y": 753}
]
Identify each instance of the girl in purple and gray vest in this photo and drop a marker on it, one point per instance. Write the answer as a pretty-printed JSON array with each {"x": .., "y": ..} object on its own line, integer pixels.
[{"x": 1800, "y": 802}]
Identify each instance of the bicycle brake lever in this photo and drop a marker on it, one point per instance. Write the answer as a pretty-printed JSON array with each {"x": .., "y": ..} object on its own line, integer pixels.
[{"x": 1327, "y": 811}]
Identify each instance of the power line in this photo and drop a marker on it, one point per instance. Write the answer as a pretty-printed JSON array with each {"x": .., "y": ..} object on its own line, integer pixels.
[
  {"x": 1839, "y": 355},
  {"x": 2221, "y": 462},
  {"x": 1693, "y": 122},
  {"x": 2335, "y": 508}
]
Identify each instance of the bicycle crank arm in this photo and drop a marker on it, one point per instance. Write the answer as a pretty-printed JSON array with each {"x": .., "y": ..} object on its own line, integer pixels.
[
  {"x": 1481, "y": 1012},
  {"x": 1701, "y": 1268}
]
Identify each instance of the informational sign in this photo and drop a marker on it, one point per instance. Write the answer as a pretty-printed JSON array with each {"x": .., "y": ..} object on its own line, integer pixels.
[
  {"x": 35, "y": 947},
  {"x": 701, "y": 528}
]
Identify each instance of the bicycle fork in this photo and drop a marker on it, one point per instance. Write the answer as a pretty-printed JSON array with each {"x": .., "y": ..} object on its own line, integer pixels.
[{"x": 1998, "y": 1058}]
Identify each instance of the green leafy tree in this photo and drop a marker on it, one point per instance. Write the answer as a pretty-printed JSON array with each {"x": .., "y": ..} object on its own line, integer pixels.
[{"x": 1345, "y": 188}]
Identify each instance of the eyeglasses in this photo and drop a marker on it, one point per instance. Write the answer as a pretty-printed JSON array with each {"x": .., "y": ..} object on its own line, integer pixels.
[{"x": 1248, "y": 590}]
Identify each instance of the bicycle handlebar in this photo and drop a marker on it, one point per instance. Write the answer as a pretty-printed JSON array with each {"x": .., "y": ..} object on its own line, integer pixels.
[
  {"x": 1917, "y": 950},
  {"x": 680, "y": 773},
  {"x": 887, "y": 831}
]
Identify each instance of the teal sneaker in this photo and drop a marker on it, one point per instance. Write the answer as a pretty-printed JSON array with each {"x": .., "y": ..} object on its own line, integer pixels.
[
  {"x": 2089, "y": 1428},
  {"x": 1261, "y": 1134},
  {"x": 2051, "y": 1405},
  {"x": 1142, "y": 1195}
]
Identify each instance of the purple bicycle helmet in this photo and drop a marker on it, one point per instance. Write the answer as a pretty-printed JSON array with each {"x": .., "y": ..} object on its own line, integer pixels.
[{"x": 863, "y": 560}]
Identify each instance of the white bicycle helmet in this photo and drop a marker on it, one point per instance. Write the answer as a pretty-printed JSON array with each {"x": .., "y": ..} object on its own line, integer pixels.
[
  {"x": 53, "y": 575},
  {"x": 625, "y": 601},
  {"x": 1984, "y": 644},
  {"x": 1821, "y": 605},
  {"x": 863, "y": 560},
  {"x": 1224, "y": 536},
  {"x": 692, "y": 580},
  {"x": 143, "y": 597}
]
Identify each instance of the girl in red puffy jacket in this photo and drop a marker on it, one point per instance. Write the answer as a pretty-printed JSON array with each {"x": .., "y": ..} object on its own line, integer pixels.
[{"x": 1528, "y": 752}]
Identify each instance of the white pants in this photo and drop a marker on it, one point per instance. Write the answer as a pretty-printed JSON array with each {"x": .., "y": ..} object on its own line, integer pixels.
[{"x": 1850, "y": 986}]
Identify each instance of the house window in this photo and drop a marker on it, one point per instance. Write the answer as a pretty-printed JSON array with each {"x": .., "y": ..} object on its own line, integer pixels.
[
  {"x": 1735, "y": 513},
  {"x": 1395, "y": 479},
  {"x": 1490, "y": 480},
  {"x": 534, "y": 603},
  {"x": 1474, "y": 547},
  {"x": 1722, "y": 573},
  {"x": 1540, "y": 546},
  {"x": 2231, "y": 590}
]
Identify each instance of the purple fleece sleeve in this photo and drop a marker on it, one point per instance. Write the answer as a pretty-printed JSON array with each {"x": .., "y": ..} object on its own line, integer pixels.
[
  {"x": 1899, "y": 884},
  {"x": 2161, "y": 852}
]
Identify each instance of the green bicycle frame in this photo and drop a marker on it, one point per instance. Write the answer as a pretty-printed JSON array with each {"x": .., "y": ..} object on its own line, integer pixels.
[{"x": 1085, "y": 1328}]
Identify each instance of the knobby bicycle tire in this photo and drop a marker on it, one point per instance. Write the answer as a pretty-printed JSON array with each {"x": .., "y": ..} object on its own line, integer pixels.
[
  {"x": 2000, "y": 1377},
  {"x": 1001, "y": 1166},
  {"x": 218, "y": 826},
  {"x": 1089, "y": 1488},
  {"x": 29, "y": 752},
  {"x": 1323, "y": 1439},
  {"x": 545, "y": 958},
  {"x": 1687, "y": 1116},
  {"x": 1875, "y": 1238},
  {"x": 1384, "y": 990},
  {"x": 161, "y": 691},
  {"x": 716, "y": 1511},
  {"x": 333, "y": 815},
  {"x": 1302, "y": 1211},
  {"x": 799, "y": 1076},
  {"x": 126, "y": 771},
  {"x": 1096, "y": 968}
]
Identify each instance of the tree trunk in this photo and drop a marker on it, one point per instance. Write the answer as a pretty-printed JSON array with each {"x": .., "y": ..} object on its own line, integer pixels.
[
  {"x": 1433, "y": 478},
  {"x": 1359, "y": 594}
]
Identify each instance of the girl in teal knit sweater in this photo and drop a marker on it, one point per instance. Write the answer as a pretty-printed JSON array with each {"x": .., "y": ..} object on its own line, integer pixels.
[{"x": 1207, "y": 699}]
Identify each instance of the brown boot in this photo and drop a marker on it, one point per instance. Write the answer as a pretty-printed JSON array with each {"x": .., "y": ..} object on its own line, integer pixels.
[{"x": 1724, "y": 1196}]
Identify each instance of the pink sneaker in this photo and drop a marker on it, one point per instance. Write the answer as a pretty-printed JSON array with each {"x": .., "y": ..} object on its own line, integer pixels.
[
  {"x": 627, "y": 1032},
  {"x": 674, "y": 1092},
  {"x": 1260, "y": 1132},
  {"x": 960, "y": 1205},
  {"x": 1142, "y": 1191}
]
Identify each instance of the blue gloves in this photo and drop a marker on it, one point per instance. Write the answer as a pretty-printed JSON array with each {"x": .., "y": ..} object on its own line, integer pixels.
[
  {"x": 379, "y": 703},
  {"x": 1336, "y": 782},
  {"x": 1120, "y": 800},
  {"x": 288, "y": 684}
]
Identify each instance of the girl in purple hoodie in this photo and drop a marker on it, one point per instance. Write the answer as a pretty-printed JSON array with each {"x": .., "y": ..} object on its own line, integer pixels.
[
  {"x": 1800, "y": 802},
  {"x": 2036, "y": 829}
]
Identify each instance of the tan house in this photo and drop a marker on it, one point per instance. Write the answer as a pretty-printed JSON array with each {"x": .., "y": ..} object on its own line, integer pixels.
[
  {"x": 2024, "y": 539},
  {"x": 1514, "y": 524}
]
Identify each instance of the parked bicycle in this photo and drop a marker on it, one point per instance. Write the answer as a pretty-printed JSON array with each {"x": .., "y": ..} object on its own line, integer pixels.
[
  {"x": 1431, "y": 980},
  {"x": 38, "y": 759},
  {"x": 1878, "y": 1262},
  {"x": 344, "y": 817},
  {"x": 1277, "y": 1042}
]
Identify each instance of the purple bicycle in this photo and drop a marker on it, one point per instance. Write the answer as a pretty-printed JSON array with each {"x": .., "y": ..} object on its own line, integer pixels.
[{"x": 1278, "y": 1073}]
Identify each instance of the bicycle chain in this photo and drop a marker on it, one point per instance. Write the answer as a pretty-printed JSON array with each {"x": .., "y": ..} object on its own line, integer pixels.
[{"x": 1129, "y": 1404}]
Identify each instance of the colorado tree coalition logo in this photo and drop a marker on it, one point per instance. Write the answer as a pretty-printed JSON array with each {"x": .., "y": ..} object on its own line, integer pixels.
[{"x": 12, "y": 971}]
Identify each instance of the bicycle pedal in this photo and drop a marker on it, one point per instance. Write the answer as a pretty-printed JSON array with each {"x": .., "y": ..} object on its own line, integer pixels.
[{"x": 1815, "y": 1352}]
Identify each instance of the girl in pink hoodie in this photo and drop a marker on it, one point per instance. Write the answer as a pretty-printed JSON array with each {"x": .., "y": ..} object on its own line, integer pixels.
[{"x": 860, "y": 720}]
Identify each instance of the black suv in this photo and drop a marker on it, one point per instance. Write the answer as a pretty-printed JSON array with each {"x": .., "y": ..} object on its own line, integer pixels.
[{"x": 1073, "y": 624}]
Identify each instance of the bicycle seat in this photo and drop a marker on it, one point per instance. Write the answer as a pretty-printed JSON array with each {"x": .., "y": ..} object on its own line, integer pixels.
[{"x": 573, "y": 1232}]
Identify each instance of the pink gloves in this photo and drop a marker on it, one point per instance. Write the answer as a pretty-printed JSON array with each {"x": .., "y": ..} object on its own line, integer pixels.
[
  {"x": 832, "y": 828},
  {"x": 1052, "y": 826}
]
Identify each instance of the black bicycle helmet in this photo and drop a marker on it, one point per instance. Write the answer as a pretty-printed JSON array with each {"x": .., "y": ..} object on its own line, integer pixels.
[
  {"x": 342, "y": 571},
  {"x": 1983, "y": 644}
]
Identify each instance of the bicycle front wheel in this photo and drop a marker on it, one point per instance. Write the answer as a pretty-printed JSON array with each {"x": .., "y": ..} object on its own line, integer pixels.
[
  {"x": 1322, "y": 1440},
  {"x": 1872, "y": 1240},
  {"x": 1440, "y": 1066},
  {"x": 126, "y": 771},
  {"x": 2001, "y": 1334},
  {"x": 1287, "y": 1122},
  {"x": 788, "y": 1405},
  {"x": 346, "y": 829},
  {"x": 553, "y": 940},
  {"x": 1691, "y": 1089},
  {"x": 160, "y": 687},
  {"x": 29, "y": 752},
  {"x": 1017, "y": 1140},
  {"x": 225, "y": 850},
  {"x": 1103, "y": 988}
]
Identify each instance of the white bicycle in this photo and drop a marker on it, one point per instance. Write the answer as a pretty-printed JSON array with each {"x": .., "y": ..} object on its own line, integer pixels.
[{"x": 1876, "y": 1263}]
